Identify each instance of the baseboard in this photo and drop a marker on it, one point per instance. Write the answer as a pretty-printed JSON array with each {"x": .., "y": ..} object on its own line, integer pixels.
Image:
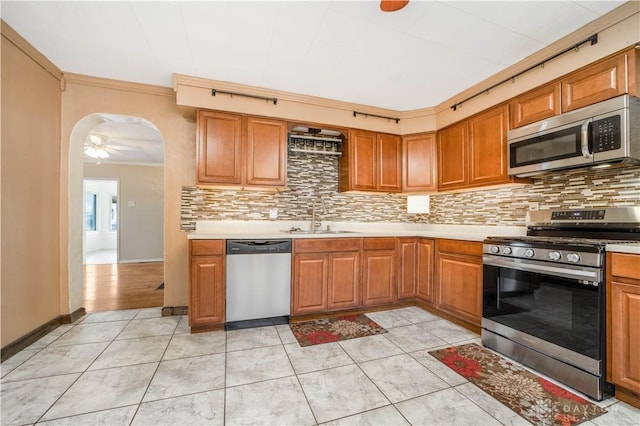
[
  {"x": 142, "y": 260},
  {"x": 168, "y": 311},
  {"x": 28, "y": 339}
]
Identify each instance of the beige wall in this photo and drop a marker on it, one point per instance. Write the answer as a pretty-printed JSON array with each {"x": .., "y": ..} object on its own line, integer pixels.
[
  {"x": 84, "y": 96},
  {"x": 141, "y": 227},
  {"x": 30, "y": 287}
]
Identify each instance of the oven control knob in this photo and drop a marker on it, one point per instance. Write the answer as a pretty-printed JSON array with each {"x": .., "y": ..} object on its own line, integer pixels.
[
  {"x": 573, "y": 257},
  {"x": 495, "y": 249},
  {"x": 529, "y": 253},
  {"x": 555, "y": 255}
]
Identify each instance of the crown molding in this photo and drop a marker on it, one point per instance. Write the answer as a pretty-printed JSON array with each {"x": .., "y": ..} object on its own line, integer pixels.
[
  {"x": 127, "y": 86},
  {"x": 27, "y": 48},
  {"x": 204, "y": 83}
]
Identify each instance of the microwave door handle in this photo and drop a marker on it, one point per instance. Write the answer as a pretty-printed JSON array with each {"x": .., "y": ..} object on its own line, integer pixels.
[{"x": 585, "y": 139}]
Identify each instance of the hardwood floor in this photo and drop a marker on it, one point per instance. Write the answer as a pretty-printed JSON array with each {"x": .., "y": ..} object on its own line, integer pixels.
[{"x": 122, "y": 286}]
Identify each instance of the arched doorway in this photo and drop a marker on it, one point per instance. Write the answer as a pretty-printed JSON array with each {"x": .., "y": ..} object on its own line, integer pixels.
[{"x": 131, "y": 151}]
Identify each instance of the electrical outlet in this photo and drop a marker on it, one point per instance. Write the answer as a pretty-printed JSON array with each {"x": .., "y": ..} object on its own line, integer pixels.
[
  {"x": 533, "y": 206},
  {"x": 273, "y": 214}
]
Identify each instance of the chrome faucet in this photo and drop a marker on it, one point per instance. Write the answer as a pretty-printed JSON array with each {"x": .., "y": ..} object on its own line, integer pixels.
[{"x": 313, "y": 212}]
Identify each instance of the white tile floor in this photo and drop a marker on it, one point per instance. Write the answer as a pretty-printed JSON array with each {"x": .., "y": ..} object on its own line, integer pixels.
[{"x": 136, "y": 367}]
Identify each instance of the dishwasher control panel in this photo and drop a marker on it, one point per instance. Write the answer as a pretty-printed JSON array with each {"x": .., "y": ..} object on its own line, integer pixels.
[{"x": 258, "y": 246}]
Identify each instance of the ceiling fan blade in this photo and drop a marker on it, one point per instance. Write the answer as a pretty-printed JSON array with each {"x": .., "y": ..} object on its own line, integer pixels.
[
  {"x": 117, "y": 147},
  {"x": 392, "y": 5}
]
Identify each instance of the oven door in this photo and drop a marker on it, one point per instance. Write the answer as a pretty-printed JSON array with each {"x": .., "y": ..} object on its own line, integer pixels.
[{"x": 551, "y": 308}]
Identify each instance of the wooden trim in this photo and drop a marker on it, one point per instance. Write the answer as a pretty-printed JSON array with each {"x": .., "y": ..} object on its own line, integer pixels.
[
  {"x": 169, "y": 311},
  {"x": 30, "y": 338},
  {"x": 205, "y": 328},
  {"x": 17, "y": 40}
]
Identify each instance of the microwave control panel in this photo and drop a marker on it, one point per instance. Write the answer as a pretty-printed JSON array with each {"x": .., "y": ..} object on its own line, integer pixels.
[{"x": 606, "y": 134}]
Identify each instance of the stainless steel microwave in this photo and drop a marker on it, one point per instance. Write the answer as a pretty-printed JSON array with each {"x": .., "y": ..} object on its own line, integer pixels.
[{"x": 600, "y": 135}]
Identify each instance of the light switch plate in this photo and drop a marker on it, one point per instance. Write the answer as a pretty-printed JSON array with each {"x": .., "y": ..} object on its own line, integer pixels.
[{"x": 273, "y": 214}]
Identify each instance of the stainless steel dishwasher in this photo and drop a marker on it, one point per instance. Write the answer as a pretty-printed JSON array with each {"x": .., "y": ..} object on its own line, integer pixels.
[{"x": 258, "y": 283}]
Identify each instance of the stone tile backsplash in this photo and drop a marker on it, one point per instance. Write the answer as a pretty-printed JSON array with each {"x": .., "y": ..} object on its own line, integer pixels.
[{"x": 316, "y": 175}]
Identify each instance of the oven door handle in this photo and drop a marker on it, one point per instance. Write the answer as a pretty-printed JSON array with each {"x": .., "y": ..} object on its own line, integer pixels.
[{"x": 593, "y": 275}]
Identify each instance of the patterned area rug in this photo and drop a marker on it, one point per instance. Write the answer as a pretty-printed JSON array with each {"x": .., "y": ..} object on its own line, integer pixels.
[
  {"x": 333, "y": 329},
  {"x": 533, "y": 397}
]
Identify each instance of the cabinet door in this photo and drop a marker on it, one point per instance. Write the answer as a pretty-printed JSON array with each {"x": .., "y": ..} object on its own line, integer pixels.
[
  {"x": 407, "y": 269},
  {"x": 452, "y": 156},
  {"x": 424, "y": 269},
  {"x": 419, "y": 163},
  {"x": 389, "y": 164},
  {"x": 309, "y": 287},
  {"x": 379, "y": 277},
  {"x": 459, "y": 279},
  {"x": 625, "y": 335},
  {"x": 362, "y": 161},
  {"x": 344, "y": 280},
  {"x": 538, "y": 104},
  {"x": 488, "y": 147},
  {"x": 206, "y": 291},
  {"x": 601, "y": 81},
  {"x": 219, "y": 154},
  {"x": 266, "y": 152}
]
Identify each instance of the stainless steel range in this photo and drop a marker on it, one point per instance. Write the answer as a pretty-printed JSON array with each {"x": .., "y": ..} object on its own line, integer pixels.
[{"x": 544, "y": 294}]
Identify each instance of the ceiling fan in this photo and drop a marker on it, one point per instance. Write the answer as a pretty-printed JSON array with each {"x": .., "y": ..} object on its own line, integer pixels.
[
  {"x": 97, "y": 146},
  {"x": 392, "y": 5}
]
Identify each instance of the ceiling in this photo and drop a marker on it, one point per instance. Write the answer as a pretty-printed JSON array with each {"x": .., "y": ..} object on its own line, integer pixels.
[
  {"x": 127, "y": 140},
  {"x": 414, "y": 58},
  {"x": 349, "y": 51}
]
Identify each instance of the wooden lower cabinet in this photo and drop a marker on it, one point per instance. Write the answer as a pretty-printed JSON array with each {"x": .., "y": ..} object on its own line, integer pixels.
[
  {"x": 415, "y": 270},
  {"x": 207, "y": 283},
  {"x": 326, "y": 275},
  {"x": 379, "y": 260},
  {"x": 310, "y": 277},
  {"x": 458, "y": 284},
  {"x": 623, "y": 325}
]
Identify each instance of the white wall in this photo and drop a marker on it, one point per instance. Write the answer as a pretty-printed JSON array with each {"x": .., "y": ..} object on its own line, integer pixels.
[
  {"x": 141, "y": 203},
  {"x": 103, "y": 238}
]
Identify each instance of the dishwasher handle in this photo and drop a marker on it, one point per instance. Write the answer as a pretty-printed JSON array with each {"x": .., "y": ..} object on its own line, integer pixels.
[{"x": 258, "y": 246}]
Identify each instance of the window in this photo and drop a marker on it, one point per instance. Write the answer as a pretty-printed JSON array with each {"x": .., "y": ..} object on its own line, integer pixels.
[
  {"x": 113, "y": 216},
  {"x": 90, "y": 211}
]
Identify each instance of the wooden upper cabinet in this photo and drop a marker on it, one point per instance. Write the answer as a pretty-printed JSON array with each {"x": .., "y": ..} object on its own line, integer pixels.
[
  {"x": 371, "y": 162},
  {"x": 389, "y": 177},
  {"x": 535, "y": 105},
  {"x": 232, "y": 149},
  {"x": 219, "y": 155},
  {"x": 488, "y": 147},
  {"x": 452, "y": 156},
  {"x": 363, "y": 160},
  {"x": 595, "y": 83},
  {"x": 419, "y": 161},
  {"x": 473, "y": 152},
  {"x": 266, "y": 152}
]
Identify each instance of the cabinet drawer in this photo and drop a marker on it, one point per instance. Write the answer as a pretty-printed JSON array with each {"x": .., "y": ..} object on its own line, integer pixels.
[
  {"x": 379, "y": 243},
  {"x": 324, "y": 245},
  {"x": 625, "y": 265},
  {"x": 472, "y": 248},
  {"x": 207, "y": 247}
]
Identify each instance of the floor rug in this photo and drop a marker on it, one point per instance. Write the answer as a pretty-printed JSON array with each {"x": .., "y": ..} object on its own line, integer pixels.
[
  {"x": 529, "y": 395},
  {"x": 328, "y": 330}
]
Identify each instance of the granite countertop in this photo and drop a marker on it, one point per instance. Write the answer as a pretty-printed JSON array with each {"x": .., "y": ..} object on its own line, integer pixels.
[{"x": 279, "y": 229}]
